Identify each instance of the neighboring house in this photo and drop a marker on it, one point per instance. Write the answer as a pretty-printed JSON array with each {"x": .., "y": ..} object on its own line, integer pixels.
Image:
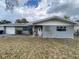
[{"x": 54, "y": 27}]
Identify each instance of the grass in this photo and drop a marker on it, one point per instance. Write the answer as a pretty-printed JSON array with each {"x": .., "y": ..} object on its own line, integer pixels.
[{"x": 22, "y": 47}]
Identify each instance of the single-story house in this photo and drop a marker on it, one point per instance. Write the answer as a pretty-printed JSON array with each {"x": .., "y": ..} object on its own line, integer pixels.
[{"x": 54, "y": 27}]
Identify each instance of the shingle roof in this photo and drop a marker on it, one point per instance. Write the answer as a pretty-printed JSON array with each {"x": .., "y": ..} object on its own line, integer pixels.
[
  {"x": 54, "y": 18},
  {"x": 39, "y": 21}
]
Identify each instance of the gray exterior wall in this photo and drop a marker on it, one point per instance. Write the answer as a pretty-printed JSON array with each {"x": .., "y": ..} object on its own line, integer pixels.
[
  {"x": 50, "y": 29},
  {"x": 51, "y": 32}
]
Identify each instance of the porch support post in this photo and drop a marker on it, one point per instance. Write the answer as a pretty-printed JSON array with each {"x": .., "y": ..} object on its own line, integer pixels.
[
  {"x": 43, "y": 31},
  {"x": 4, "y": 30},
  {"x": 33, "y": 29}
]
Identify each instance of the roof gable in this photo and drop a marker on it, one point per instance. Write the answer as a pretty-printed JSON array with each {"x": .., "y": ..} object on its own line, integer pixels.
[{"x": 55, "y": 18}]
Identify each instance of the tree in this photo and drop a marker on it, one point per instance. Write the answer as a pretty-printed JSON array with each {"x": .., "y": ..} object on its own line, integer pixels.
[
  {"x": 18, "y": 21},
  {"x": 5, "y": 22},
  {"x": 23, "y": 20}
]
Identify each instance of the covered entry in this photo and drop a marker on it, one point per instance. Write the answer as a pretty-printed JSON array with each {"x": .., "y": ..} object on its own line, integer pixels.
[{"x": 38, "y": 30}]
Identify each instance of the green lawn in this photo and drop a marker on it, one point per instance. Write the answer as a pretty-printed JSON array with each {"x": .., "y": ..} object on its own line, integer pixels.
[{"x": 22, "y": 47}]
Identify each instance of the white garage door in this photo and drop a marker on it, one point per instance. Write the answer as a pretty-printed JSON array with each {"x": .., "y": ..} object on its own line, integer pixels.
[{"x": 10, "y": 30}]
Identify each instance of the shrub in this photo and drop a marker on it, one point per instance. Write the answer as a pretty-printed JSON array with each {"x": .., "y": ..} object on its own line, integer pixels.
[{"x": 18, "y": 31}]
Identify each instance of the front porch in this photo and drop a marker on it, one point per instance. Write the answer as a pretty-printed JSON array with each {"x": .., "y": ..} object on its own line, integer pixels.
[{"x": 38, "y": 30}]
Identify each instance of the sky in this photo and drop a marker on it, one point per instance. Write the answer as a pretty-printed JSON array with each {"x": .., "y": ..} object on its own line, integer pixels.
[{"x": 34, "y": 10}]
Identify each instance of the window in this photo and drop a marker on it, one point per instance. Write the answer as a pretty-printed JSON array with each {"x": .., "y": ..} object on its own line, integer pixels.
[
  {"x": 26, "y": 28},
  {"x": 61, "y": 28}
]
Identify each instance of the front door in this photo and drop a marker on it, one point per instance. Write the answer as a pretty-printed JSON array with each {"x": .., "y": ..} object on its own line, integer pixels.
[{"x": 39, "y": 31}]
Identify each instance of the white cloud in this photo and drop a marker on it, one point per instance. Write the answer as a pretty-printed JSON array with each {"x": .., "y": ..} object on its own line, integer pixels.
[{"x": 46, "y": 8}]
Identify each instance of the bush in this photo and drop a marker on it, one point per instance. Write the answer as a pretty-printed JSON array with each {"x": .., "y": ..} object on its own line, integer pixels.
[
  {"x": 18, "y": 31},
  {"x": 31, "y": 32}
]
